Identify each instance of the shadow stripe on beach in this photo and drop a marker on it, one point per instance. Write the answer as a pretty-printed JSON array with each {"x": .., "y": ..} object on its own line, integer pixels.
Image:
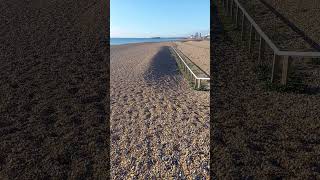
[{"x": 163, "y": 69}]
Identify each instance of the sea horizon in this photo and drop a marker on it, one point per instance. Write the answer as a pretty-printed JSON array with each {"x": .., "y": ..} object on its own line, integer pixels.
[{"x": 120, "y": 41}]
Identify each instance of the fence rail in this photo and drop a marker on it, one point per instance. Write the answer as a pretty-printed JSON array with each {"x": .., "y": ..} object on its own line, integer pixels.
[
  {"x": 197, "y": 80},
  {"x": 283, "y": 56}
]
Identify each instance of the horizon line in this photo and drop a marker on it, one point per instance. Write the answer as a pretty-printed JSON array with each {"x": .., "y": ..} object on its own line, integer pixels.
[{"x": 153, "y": 37}]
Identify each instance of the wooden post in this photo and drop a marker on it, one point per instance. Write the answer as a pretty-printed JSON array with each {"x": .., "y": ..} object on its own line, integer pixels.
[
  {"x": 274, "y": 66},
  {"x": 261, "y": 50},
  {"x": 285, "y": 69},
  {"x": 251, "y": 39},
  {"x": 199, "y": 84},
  {"x": 243, "y": 28}
]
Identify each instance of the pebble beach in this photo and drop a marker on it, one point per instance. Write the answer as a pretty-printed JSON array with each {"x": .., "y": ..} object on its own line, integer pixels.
[{"x": 159, "y": 124}]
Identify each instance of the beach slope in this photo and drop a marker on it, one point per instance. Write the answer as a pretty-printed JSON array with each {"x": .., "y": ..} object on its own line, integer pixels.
[{"x": 159, "y": 125}]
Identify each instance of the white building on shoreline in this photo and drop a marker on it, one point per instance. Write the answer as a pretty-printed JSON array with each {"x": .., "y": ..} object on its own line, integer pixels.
[{"x": 199, "y": 36}]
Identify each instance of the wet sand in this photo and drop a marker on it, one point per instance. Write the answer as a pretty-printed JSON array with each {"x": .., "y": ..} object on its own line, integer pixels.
[
  {"x": 159, "y": 125},
  {"x": 198, "y": 52}
]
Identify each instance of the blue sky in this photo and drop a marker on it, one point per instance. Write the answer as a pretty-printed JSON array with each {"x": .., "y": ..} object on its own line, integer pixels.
[{"x": 164, "y": 18}]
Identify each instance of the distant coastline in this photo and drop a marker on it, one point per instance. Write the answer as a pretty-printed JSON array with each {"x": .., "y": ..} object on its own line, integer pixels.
[{"x": 120, "y": 41}]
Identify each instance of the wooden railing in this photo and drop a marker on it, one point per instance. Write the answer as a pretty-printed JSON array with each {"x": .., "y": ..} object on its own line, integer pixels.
[{"x": 236, "y": 10}]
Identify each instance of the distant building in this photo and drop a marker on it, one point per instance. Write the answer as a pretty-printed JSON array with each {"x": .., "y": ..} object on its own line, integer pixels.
[{"x": 198, "y": 35}]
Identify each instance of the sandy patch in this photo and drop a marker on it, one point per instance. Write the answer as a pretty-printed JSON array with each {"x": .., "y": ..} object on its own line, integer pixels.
[{"x": 198, "y": 52}]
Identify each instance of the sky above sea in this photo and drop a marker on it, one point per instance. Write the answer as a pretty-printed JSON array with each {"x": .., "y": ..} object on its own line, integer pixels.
[{"x": 158, "y": 18}]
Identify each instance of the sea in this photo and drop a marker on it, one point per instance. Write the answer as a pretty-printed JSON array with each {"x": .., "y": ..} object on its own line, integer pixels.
[{"x": 118, "y": 41}]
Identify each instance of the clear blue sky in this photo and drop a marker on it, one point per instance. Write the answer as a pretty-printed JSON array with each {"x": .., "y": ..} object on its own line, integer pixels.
[{"x": 164, "y": 18}]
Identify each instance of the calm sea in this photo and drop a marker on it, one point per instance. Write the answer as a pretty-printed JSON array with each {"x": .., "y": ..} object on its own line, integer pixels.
[{"x": 118, "y": 41}]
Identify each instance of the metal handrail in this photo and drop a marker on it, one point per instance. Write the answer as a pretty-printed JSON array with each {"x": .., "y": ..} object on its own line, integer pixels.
[
  {"x": 258, "y": 29},
  {"x": 269, "y": 41},
  {"x": 285, "y": 55},
  {"x": 296, "y": 53},
  {"x": 201, "y": 78}
]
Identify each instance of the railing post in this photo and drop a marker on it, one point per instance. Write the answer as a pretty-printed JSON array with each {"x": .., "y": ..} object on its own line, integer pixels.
[
  {"x": 261, "y": 50},
  {"x": 237, "y": 17},
  {"x": 231, "y": 9},
  {"x": 285, "y": 68},
  {"x": 243, "y": 28},
  {"x": 227, "y": 7},
  {"x": 251, "y": 39},
  {"x": 274, "y": 66},
  {"x": 256, "y": 36}
]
